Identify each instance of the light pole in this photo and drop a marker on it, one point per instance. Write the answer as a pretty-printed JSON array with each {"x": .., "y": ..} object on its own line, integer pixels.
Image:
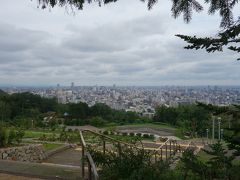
[
  {"x": 219, "y": 128},
  {"x": 207, "y": 132},
  {"x": 221, "y": 133},
  {"x": 213, "y": 124},
  {"x": 65, "y": 117},
  {"x": 32, "y": 124}
]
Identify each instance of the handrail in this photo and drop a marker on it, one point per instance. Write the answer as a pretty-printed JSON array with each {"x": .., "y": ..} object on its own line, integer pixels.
[
  {"x": 162, "y": 145},
  {"x": 82, "y": 139},
  {"x": 91, "y": 165},
  {"x": 107, "y": 137}
]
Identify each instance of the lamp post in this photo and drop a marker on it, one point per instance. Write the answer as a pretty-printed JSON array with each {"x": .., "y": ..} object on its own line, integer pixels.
[
  {"x": 219, "y": 128},
  {"x": 65, "y": 116},
  {"x": 207, "y": 132},
  {"x": 221, "y": 133},
  {"x": 213, "y": 124},
  {"x": 32, "y": 123}
]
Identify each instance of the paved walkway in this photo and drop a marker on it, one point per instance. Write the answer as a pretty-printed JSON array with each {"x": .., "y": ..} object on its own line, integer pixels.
[
  {"x": 4, "y": 176},
  {"x": 70, "y": 157},
  {"x": 39, "y": 171}
]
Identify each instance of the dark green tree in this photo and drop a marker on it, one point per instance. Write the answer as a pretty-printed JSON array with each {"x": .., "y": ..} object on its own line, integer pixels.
[
  {"x": 191, "y": 165},
  {"x": 79, "y": 110},
  {"x": 220, "y": 163},
  {"x": 232, "y": 135}
]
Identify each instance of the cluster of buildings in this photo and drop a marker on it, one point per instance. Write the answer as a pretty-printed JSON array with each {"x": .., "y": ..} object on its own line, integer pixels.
[{"x": 139, "y": 99}]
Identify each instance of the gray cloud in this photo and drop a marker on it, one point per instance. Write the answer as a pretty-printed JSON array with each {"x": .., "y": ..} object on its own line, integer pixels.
[{"x": 106, "y": 46}]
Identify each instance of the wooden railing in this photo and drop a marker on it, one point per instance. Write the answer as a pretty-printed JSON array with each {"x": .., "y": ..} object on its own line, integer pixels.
[
  {"x": 92, "y": 170},
  {"x": 169, "y": 146},
  {"x": 191, "y": 145}
]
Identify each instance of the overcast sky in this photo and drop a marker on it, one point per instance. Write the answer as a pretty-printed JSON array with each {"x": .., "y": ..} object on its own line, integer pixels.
[{"x": 122, "y": 43}]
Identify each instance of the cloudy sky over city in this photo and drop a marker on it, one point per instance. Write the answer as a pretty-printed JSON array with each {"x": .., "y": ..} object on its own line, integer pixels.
[{"x": 121, "y": 43}]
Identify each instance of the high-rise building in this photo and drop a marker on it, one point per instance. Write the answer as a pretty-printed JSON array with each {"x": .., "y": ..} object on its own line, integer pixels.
[{"x": 72, "y": 85}]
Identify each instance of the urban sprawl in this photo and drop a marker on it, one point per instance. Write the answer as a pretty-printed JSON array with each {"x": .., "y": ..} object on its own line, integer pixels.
[{"x": 138, "y": 99}]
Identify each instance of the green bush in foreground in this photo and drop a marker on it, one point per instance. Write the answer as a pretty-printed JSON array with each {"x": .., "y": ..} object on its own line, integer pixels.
[
  {"x": 10, "y": 136},
  {"x": 132, "y": 164},
  {"x": 3, "y": 136}
]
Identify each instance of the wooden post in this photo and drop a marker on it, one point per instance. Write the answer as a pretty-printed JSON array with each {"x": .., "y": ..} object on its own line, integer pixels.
[
  {"x": 83, "y": 164},
  {"x": 170, "y": 148},
  {"x": 174, "y": 143},
  {"x": 104, "y": 146},
  {"x": 119, "y": 149},
  {"x": 155, "y": 156},
  {"x": 89, "y": 171},
  {"x": 166, "y": 151},
  {"x": 161, "y": 154}
]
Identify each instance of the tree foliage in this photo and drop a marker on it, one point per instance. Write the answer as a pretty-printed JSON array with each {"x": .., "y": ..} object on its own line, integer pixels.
[
  {"x": 23, "y": 108},
  {"x": 191, "y": 118},
  {"x": 131, "y": 164},
  {"x": 219, "y": 166}
]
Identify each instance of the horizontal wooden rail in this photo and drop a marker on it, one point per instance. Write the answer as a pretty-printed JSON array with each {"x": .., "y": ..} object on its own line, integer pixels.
[{"x": 107, "y": 137}]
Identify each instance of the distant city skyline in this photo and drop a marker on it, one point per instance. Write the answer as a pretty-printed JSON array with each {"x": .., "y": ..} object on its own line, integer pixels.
[
  {"x": 108, "y": 45},
  {"x": 103, "y": 85},
  {"x": 111, "y": 85},
  {"x": 141, "y": 99}
]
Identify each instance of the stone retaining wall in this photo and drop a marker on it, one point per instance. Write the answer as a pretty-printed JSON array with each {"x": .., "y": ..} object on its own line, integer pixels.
[{"x": 28, "y": 153}]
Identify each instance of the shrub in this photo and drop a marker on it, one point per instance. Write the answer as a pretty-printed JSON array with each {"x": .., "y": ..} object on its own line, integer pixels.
[
  {"x": 8, "y": 137},
  {"x": 105, "y": 132},
  {"x": 3, "y": 136},
  {"x": 151, "y": 136},
  {"x": 133, "y": 163},
  {"x": 132, "y": 134},
  {"x": 19, "y": 135},
  {"x": 124, "y": 134},
  {"x": 139, "y": 134},
  {"x": 97, "y": 121},
  {"x": 11, "y": 136},
  {"x": 43, "y": 137},
  {"x": 52, "y": 137},
  {"x": 146, "y": 136}
]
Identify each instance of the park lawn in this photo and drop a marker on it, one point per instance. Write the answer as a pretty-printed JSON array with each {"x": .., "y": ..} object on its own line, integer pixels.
[
  {"x": 37, "y": 134},
  {"x": 203, "y": 156},
  {"x": 51, "y": 146}
]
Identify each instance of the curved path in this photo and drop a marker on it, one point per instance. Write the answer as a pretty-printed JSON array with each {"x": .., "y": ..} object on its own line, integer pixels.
[{"x": 69, "y": 157}]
